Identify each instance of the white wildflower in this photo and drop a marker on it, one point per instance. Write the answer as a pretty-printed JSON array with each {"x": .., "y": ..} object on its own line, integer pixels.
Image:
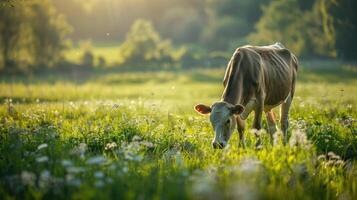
[
  {"x": 111, "y": 146},
  {"x": 340, "y": 162},
  {"x": 136, "y": 138},
  {"x": 132, "y": 156},
  {"x": 160, "y": 127},
  {"x": 321, "y": 158},
  {"x": 66, "y": 163},
  {"x": 277, "y": 137},
  {"x": 56, "y": 113},
  {"x": 257, "y": 133},
  {"x": 96, "y": 160},
  {"x": 45, "y": 178},
  {"x": 147, "y": 144},
  {"x": 249, "y": 165},
  {"x": 80, "y": 150},
  {"x": 298, "y": 138},
  {"x": 28, "y": 178},
  {"x": 98, "y": 174},
  {"x": 42, "y": 146},
  {"x": 42, "y": 159},
  {"x": 75, "y": 170},
  {"x": 125, "y": 169},
  {"x": 72, "y": 181},
  {"x": 333, "y": 156},
  {"x": 330, "y": 163},
  {"x": 45, "y": 174}
]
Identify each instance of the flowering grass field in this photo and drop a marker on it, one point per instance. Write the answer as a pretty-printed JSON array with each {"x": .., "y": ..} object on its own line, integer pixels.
[{"x": 136, "y": 136}]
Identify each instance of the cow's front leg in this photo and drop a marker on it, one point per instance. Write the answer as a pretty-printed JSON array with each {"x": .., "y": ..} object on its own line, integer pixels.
[
  {"x": 257, "y": 123},
  {"x": 241, "y": 127}
]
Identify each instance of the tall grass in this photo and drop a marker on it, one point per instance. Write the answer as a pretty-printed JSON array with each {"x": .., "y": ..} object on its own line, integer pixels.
[{"x": 136, "y": 136}]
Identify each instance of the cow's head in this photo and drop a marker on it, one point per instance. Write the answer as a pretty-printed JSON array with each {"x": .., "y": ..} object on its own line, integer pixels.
[{"x": 222, "y": 119}]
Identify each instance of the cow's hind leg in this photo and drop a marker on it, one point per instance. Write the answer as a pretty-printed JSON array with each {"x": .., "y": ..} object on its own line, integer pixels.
[
  {"x": 271, "y": 124},
  {"x": 241, "y": 127},
  {"x": 284, "y": 117}
]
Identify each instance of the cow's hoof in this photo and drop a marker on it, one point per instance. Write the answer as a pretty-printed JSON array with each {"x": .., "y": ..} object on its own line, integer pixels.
[{"x": 258, "y": 146}]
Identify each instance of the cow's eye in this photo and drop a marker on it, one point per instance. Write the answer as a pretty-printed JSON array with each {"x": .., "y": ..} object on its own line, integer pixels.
[{"x": 228, "y": 121}]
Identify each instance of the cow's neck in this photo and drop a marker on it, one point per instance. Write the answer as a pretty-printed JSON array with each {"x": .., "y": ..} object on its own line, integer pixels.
[{"x": 233, "y": 91}]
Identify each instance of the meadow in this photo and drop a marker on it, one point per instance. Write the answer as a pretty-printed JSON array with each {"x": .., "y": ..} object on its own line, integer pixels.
[{"x": 135, "y": 135}]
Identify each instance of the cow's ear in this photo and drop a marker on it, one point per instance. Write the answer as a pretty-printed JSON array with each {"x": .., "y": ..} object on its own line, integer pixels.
[
  {"x": 237, "y": 109},
  {"x": 202, "y": 109}
]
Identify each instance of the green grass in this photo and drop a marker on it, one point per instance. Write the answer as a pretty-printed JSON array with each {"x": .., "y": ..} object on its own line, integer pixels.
[{"x": 135, "y": 136}]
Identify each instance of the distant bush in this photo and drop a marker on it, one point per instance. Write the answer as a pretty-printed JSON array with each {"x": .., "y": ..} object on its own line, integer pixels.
[
  {"x": 101, "y": 61},
  {"x": 87, "y": 59},
  {"x": 144, "y": 47}
]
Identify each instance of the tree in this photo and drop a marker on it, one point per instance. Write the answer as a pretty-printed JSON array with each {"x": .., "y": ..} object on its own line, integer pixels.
[
  {"x": 299, "y": 29},
  {"x": 11, "y": 25},
  {"x": 340, "y": 25},
  {"x": 32, "y": 35},
  {"x": 49, "y": 33},
  {"x": 143, "y": 44},
  {"x": 182, "y": 25},
  {"x": 230, "y": 22}
]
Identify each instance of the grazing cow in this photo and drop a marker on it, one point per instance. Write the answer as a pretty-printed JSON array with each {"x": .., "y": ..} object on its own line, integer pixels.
[{"x": 257, "y": 78}]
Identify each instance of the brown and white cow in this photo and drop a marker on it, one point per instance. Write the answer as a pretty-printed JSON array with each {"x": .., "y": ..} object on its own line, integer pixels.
[{"x": 257, "y": 78}]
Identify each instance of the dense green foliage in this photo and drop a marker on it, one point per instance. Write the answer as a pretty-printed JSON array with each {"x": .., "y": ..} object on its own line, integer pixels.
[
  {"x": 323, "y": 28},
  {"x": 144, "y": 45},
  {"x": 340, "y": 22},
  {"x": 32, "y": 35},
  {"x": 135, "y": 135},
  {"x": 35, "y": 33},
  {"x": 298, "y": 28},
  {"x": 310, "y": 28}
]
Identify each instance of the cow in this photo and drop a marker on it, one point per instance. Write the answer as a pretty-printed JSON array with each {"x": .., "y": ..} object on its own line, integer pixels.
[{"x": 257, "y": 78}]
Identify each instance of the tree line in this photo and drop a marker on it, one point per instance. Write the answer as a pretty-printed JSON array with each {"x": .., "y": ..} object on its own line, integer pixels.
[{"x": 35, "y": 33}]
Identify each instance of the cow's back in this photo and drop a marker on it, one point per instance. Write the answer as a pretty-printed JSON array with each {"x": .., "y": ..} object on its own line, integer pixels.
[{"x": 279, "y": 70}]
